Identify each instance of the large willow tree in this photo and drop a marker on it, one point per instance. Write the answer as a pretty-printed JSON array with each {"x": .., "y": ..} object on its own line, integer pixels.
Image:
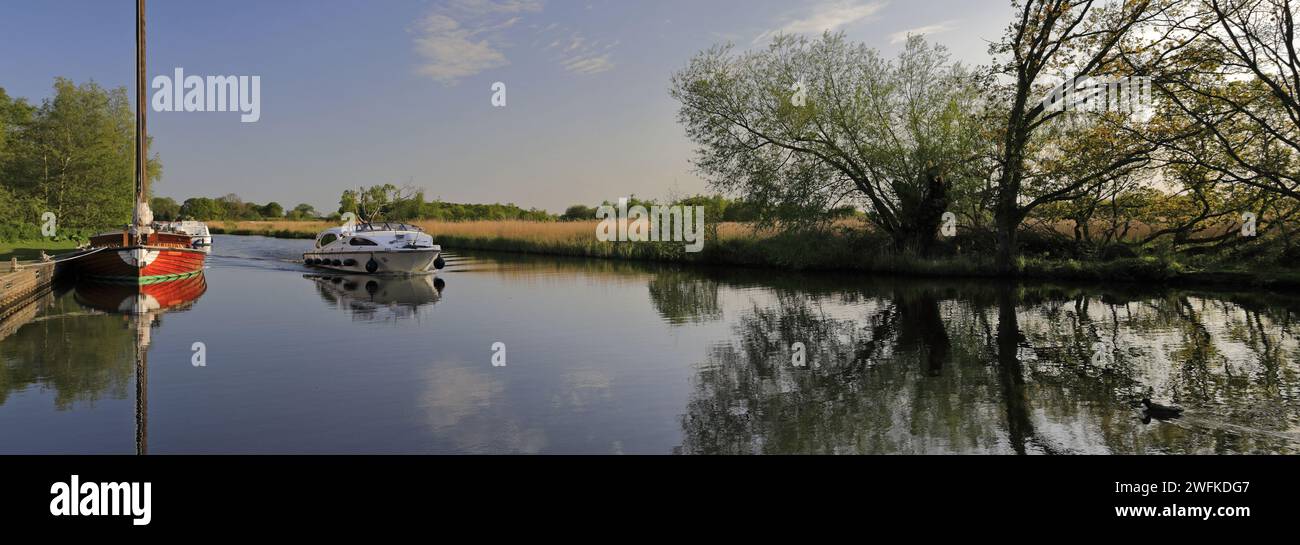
[{"x": 804, "y": 126}]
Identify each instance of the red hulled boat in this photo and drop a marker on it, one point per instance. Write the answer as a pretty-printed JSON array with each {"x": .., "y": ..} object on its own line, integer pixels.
[
  {"x": 141, "y": 258},
  {"x": 137, "y": 254}
]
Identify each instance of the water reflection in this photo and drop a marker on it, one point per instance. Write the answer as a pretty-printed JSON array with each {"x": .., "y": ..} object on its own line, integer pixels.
[
  {"x": 46, "y": 345},
  {"x": 93, "y": 343},
  {"x": 378, "y": 298},
  {"x": 921, "y": 367},
  {"x": 684, "y": 298},
  {"x": 611, "y": 356}
]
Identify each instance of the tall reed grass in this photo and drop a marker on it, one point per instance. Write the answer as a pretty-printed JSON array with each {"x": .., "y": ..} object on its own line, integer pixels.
[{"x": 842, "y": 247}]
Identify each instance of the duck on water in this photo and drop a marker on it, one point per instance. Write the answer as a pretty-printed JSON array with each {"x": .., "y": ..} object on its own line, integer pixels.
[
  {"x": 375, "y": 248},
  {"x": 1160, "y": 412}
]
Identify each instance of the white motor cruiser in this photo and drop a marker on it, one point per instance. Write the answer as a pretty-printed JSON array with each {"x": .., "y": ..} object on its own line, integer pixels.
[
  {"x": 198, "y": 232},
  {"x": 375, "y": 248}
]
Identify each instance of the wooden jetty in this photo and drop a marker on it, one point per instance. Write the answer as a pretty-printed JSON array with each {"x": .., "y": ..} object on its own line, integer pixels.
[{"x": 22, "y": 283}]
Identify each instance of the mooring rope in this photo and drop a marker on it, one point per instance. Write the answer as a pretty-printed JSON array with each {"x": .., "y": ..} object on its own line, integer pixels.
[{"x": 72, "y": 257}]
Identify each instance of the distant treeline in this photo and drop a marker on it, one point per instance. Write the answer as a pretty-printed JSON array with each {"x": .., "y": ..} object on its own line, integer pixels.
[
  {"x": 229, "y": 207},
  {"x": 387, "y": 202},
  {"x": 716, "y": 208},
  {"x": 232, "y": 208},
  {"x": 390, "y": 202}
]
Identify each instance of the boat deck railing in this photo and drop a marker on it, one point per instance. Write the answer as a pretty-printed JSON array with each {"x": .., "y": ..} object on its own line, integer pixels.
[{"x": 386, "y": 226}]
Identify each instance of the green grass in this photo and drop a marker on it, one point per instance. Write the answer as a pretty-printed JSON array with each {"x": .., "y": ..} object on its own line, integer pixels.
[{"x": 28, "y": 250}]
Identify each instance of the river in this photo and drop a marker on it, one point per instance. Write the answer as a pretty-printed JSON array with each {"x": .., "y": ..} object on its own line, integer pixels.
[{"x": 503, "y": 353}]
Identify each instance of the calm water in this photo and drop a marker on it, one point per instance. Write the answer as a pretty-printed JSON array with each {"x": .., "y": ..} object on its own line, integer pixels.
[{"x": 611, "y": 357}]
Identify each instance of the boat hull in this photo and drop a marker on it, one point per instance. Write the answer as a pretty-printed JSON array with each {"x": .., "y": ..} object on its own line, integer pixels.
[
  {"x": 125, "y": 258},
  {"x": 389, "y": 262},
  {"x": 141, "y": 264}
]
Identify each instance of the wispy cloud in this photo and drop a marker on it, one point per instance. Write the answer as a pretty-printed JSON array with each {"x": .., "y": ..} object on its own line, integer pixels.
[
  {"x": 827, "y": 16},
  {"x": 576, "y": 53},
  {"x": 901, "y": 36},
  {"x": 461, "y": 38},
  {"x": 589, "y": 65}
]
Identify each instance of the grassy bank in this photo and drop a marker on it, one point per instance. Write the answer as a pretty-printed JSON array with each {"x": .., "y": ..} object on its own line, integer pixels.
[
  {"x": 740, "y": 245},
  {"x": 27, "y": 250}
]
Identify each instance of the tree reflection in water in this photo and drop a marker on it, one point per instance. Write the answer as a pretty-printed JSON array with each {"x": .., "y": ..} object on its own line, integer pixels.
[
  {"x": 975, "y": 367},
  {"x": 79, "y": 355}
]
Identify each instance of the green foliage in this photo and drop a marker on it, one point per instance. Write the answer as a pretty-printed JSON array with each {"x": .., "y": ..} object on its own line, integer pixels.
[
  {"x": 446, "y": 211},
  {"x": 203, "y": 209},
  {"x": 805, "y": 127},
  {"x": 389, "y": 202},
  {"x": 232, "y": 208},
  {"x": 578, "y": 212},
  {"x": 73, "y": 156},
  {"x": 303, "y": 211},
  {"x": 165, "y": 208},
  {"x": 272, "y": 210}
]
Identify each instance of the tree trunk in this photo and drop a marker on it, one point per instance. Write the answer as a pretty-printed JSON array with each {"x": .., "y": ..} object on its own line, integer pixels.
[
  {"x": 924, "y": 213},
  {"x": 1007, "y": 213},
  {"x": 1007, "y": 217}
]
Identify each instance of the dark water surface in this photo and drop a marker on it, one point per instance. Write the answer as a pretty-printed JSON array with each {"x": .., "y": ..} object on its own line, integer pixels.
[{"x": 615, "y": 357}]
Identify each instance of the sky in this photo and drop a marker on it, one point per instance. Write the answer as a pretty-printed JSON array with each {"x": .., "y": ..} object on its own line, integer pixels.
[{"x": 400, "y": 91}]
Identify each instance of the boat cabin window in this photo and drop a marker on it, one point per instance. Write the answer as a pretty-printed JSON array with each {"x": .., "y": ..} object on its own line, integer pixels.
[
  {"x": 326, "y": 239},
  {"x": 358, "y": 241}
]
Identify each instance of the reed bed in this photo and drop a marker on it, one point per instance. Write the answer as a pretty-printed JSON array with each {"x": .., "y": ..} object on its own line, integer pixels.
[{"x": 853, "y": 249}]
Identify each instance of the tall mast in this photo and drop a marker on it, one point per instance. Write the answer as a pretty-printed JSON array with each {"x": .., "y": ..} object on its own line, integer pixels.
[{"x": 141, "y": 107}]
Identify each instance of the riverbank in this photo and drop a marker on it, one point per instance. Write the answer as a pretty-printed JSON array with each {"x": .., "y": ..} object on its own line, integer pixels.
[
  {"x": 740, "y": 245},
  {"x": 30, "y": 250}
]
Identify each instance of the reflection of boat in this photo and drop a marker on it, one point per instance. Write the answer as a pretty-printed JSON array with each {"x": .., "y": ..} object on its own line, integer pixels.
[
  {"x": 141, "y": 300},
  {"x": 143, "y": 305},
  {"x": 375, "y": 248},
  {"x": 138, "y": 254},
  {"x": 366, "y": 296}
]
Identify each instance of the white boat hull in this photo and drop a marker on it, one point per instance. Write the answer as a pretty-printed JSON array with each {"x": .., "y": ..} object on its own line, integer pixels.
[{"x": 391, "y": 262}]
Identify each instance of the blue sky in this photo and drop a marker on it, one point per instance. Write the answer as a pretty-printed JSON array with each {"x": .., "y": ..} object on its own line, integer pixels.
[{"x": 398, "y": 91}]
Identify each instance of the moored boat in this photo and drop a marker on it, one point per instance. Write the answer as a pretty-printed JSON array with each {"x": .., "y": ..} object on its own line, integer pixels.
[
  {"x": 139, "y": 254},
  {"x": 375, "y": 249},
  {"x": 134, "y": 257},
  {"x": 200, "y": 236}
]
